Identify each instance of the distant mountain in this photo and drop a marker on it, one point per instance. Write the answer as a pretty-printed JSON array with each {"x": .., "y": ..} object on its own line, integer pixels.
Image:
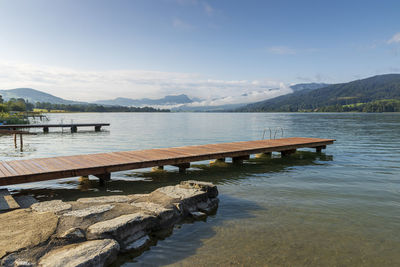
[
  {"x": 307, "y": 86},
  {"x": 360, "y": 91},
  {"x": 167, "y": 100},
  {"x": 34, "y": 96},
  {"x": 186, "y": 108}
]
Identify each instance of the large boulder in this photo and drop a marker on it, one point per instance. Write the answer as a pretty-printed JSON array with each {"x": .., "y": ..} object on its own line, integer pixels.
[
  {"x": 90, "y": 211},
  {"x": 105, "y": 199},
  {"x": 56, "y": 206},
  {"x": 125, "y": 229},
  {"x": 210, "y": 188},
  {"x": 95, "y": 253},
  {"x": 22, "y": 229}
]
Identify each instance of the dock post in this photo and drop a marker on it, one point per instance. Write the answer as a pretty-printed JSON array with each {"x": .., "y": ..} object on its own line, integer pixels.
[
  {"x": 97, "y": 128},
  {"x": 287, "y": 153},
  {"x": 217, "y": 162},
  {"x": 83, "y": 179},
  {"x": 182, "y": 167},
  {"x": 74, "y": 129},
  {"x": 239, "y": 160},
  {"x": 15, "y": 140},
  {"x": 45, "y": 129},
  {"x": 318, "y": 149},
  {"x": 21, "y": 142},
  {"x": 266, "y": 155},
  {"x": 103, "y": 178},
  {"x": 157, "y": 168}
]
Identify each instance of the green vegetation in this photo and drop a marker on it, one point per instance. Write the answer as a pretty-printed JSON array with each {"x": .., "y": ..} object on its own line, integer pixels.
[
  {"x": 384, "y": 105},
  {"x": 15, "y": 111},
  {"x": 93, "y": 108},
  {"x": 376, "y": 94},
  {"x": 18, "y": 118}
]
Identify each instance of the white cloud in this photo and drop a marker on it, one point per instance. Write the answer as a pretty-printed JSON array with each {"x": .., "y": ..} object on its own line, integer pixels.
[
  {"x": 180, "y": 24},
  {"x": 395, "y": 39},
  {"x": 208, "y": 9},
  {"x": 95, "y": 85},
  {"x": 281, "y": 50}
]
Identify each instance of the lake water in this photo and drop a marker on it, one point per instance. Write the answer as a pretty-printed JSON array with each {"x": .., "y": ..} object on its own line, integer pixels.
[{"x": 339, "y": 208}]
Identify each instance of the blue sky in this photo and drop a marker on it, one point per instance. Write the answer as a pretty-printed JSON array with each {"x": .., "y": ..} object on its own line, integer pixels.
[{"x": 97, "y": 49}]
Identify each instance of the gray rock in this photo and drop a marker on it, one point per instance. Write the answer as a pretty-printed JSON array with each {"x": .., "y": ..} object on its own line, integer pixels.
[
  {"x": 211, "y": 189},
  {"x": 56, "y": 206},
  {"x": 23, "y": 263},
  {"x": 198, "y": 214},
  {"x": 91, "y": 211},
  {"x": 138, "y": 244},
  {"x": 21, "y": 229},
  {"x": 188, "y": 197},
  {"x": 87, "y": 254},
  {"x": 165, "y": 214},
  {"x": 122, "y": 228},
  {"x": 105, "y": 199},
  {"x": 73, "y": 234},
  {"x": 209, "y": 206}
]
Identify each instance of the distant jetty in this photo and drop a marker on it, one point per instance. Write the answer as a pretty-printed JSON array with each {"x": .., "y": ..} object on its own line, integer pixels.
[
  {"x": 93, "y": 231},
  {"x": 45, "y": 127}
]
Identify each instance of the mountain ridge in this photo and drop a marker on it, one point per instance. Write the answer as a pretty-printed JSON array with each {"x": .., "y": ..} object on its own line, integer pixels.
[
  {"x": 378, "y": 87},
  {"x": 32, "y": 95}
]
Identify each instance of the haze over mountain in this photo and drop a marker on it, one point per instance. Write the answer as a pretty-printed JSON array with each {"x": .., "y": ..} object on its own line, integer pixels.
[
  {"x": 180, "y": 102},
  {"x": 33, "y": 96},
  {"x": 360, "y": 91},
  {"x": 167, "y": 100}
]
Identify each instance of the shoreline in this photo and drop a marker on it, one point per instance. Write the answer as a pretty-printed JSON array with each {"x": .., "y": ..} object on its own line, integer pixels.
[{"x": 94, "y": 231}]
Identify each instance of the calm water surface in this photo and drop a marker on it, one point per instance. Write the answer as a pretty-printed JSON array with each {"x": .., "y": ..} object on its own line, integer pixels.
[{"x": 341, "y": 208}]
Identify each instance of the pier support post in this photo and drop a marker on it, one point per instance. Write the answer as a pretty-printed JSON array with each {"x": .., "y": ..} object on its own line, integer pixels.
[
  {"x": 21, "y": 142},
  {"x": 103, "y": 178},
  {"x": 182, "y": 167},
  {"x": 287, "y": 153},
  {"x": 318, "y": 149},
  {"x": 83, "y": 179},
  {"x": 157, "y": 168},
  {"x": 45, "y": 129},
  {"x": 97, "y": 128},
  {"x": 217, "y": 161},
  {"x": 15, "y": 140},
  {"x": 239, "y": 160},
  {"x": 74, "y": 129},
  {"x": 266, "y": 155}
]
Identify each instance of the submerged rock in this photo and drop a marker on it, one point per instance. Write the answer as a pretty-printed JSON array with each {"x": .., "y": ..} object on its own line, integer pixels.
[
  {"x": 90, "y": 253},
  {"x": 198, "y": 214}
]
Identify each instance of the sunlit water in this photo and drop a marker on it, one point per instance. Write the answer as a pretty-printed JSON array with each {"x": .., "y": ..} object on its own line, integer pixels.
[{"x": 340, "y": 208}]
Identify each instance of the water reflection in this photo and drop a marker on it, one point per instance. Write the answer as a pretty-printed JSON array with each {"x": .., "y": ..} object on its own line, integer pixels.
[{"x": 145, "y": 181}]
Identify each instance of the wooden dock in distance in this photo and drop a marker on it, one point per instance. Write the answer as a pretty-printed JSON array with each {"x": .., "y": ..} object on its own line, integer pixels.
[
  {"x": 72, "y": 126},
  {"x": 103, "y": 164}
]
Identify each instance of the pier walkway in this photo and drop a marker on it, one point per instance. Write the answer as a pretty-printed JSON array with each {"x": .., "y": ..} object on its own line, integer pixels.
[
  {"x": 73, "y": 126},
  {"x": 103, "y": 164}
]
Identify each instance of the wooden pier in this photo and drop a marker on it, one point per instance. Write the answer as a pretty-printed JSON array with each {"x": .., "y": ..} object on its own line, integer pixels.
[
  {"x": 103, "y": 164},
  {"x": 72, "y": 126}
]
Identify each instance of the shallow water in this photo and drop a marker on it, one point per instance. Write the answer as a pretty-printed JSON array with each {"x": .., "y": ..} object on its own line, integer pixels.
[{"x": 338, "y": 208}]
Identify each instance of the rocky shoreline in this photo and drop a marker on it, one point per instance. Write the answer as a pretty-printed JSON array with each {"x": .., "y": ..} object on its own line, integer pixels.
[{"x": 93, "y": 231}]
